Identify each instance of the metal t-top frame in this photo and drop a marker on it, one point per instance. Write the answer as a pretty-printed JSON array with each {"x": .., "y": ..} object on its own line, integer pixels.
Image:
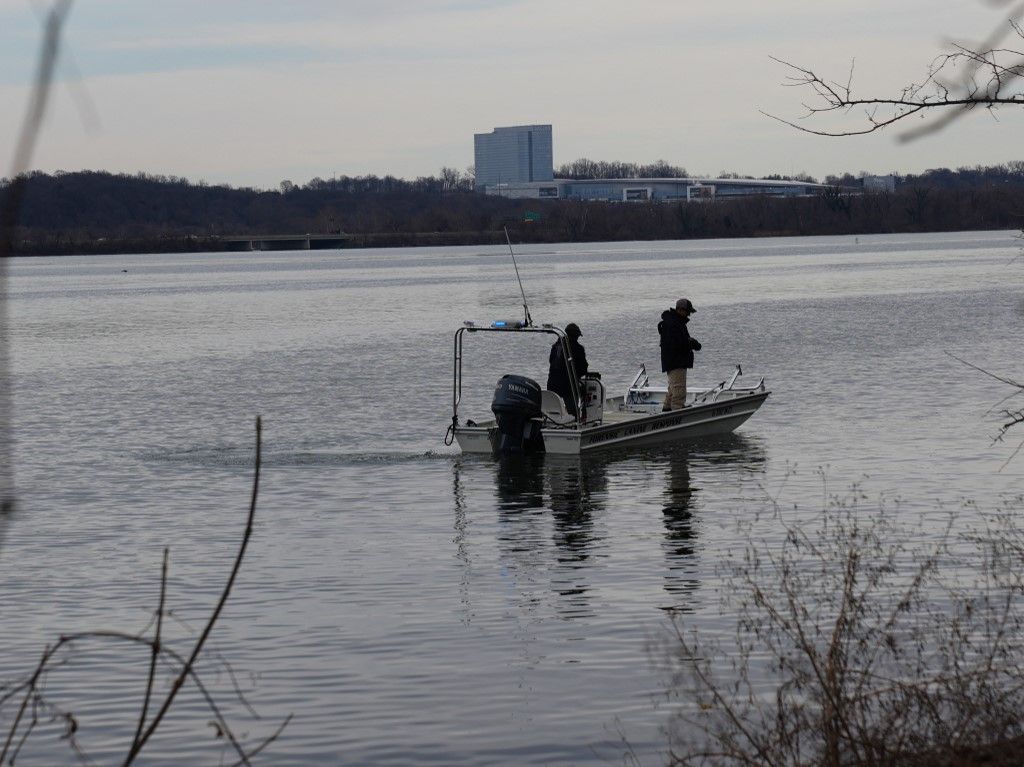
[{"x": 513, "y": 326}]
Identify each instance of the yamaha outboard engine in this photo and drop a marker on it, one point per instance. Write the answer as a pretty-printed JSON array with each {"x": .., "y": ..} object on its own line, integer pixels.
[{"x": 516, "y": 405}]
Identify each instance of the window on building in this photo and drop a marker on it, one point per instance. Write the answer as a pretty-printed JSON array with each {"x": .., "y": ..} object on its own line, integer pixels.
[{"x": 701, "y": 192}]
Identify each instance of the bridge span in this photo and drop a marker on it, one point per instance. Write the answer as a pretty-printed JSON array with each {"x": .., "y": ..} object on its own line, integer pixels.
[{"x": 285, "y": 241}]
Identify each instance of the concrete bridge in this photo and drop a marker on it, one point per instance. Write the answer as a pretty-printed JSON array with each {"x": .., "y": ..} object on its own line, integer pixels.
[{"x": 285, "y": 241}]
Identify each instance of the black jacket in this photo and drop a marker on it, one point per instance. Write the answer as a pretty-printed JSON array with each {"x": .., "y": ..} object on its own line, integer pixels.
[
  {"x": 558, "y": 373},
  {"x": 676, "y": 345}
]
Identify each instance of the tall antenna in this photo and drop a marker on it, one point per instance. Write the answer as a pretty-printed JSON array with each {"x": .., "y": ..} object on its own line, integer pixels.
[{"x": 526, "y": 309}]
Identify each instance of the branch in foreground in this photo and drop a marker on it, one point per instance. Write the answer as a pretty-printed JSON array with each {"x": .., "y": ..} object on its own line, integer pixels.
[
  {"x": 176, "y": 686},
  {"x": 10, "y": 208},
  {"x": 1013, "y": 417},
  {"x": 988, "y": 75},
  {"x": 34, "y": 699}
]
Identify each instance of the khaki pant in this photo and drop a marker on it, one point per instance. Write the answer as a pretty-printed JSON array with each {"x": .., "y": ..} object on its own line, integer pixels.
[{"x": 675, "y": 399}]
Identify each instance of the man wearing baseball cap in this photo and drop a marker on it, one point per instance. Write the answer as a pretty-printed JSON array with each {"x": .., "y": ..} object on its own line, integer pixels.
[{"x": 677, "y": 348}]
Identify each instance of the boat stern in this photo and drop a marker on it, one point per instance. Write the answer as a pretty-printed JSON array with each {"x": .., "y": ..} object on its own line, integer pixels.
[{"x": 477, "y": 438}]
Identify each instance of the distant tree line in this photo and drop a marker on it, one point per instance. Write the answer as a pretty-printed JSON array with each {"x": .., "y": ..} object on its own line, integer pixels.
[
  {"x": 967, "y": 177},
  {"x": 92, "y": 211},
  {"x": 961, "y": 178},
  {"x": 586, "y": 169}
]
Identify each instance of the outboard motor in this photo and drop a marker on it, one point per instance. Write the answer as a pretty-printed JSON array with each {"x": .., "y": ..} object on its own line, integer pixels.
[{"x": 516, "y": 407}]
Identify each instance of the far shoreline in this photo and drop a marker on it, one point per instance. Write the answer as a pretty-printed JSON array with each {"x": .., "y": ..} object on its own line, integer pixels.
[
  {"x": 187, "y": 244},
  {"x": 94, "y": 212}
]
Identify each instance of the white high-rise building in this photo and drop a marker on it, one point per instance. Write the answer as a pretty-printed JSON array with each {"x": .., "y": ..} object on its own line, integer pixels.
[{"x": 514, "y": 154}]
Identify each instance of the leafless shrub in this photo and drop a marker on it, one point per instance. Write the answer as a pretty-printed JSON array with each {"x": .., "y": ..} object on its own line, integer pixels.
[{"x": 856, "y": 646}]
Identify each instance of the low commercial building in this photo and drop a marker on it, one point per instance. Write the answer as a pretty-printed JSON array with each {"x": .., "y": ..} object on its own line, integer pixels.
[
  {"x": 879, "y": 183},
  {"x": 651, "y": 189}
]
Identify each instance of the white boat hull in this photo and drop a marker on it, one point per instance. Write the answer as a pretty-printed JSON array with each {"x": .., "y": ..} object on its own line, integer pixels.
[{"x": 630, "y": 425}]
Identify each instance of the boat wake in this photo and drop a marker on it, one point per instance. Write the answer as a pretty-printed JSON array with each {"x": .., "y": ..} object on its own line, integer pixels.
[{"x": 231, "y": 457}]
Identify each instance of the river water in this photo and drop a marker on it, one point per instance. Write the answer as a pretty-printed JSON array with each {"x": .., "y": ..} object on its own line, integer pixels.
[{"x": 410, "y": 606}]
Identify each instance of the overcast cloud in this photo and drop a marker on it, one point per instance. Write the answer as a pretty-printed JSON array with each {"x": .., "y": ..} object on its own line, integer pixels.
[{"x": 256, "y": 92}]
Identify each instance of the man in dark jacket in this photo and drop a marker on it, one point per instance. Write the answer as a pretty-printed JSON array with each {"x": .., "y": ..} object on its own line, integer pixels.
[
  {"x": 677, "y": 350},
  {"x": 558, "y": 372}
]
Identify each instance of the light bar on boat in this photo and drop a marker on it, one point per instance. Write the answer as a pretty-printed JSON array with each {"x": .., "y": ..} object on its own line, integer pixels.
[{"x": 507, "y": 324}]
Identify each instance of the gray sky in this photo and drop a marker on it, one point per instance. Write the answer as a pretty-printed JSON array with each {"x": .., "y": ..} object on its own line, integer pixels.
[{"x": 255, "y": 92}]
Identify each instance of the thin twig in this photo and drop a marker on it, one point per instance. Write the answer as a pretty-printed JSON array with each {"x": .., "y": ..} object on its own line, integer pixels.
[
  {"x": 31, "y": 684},
  {"x": 267, "y": 741},
  {"x": 176, "y": 686},
  {"x": 233, "y": 678},
  {"x": 1001, "y": 379},
  {"x": 156, "y": 651},
  {"x": 33, "y": 693},
  {"x": 1015, "y": 417}
]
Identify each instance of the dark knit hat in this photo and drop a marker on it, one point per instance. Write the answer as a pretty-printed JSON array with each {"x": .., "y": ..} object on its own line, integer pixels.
[{"x": 684, "y": 305}]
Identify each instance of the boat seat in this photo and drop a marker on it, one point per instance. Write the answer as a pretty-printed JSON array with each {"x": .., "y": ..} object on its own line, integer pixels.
[{"x": 554, "y": 408}]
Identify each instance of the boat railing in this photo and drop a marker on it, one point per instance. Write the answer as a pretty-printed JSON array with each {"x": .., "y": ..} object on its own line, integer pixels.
[
  {"x": 640, "y": 393},
  {"x": 634, "y": 393},
  {"x": 642, "y": 379},
  {"x": 713, "y": 392}
]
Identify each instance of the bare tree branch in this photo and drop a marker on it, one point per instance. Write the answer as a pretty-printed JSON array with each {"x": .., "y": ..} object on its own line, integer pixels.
[
  {"x": 31, "y": 689},
  {"x": 35, "y": 696},
  {"x": 987, "y": 74},
  {"x": 1013, "y": 417},
  {"x": 10, "y": 207},
  {"x": 197, "y": 649},
  {"x": 156, "y": 651}
]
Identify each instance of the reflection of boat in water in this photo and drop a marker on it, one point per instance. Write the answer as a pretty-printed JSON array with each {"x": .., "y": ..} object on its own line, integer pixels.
[
  {"x": 573, "y": 486},
  {"x": 529, "y": 419},
  {"x": 571, "y": 489},
  {"x": 546, "y": 526},
  {"x": 564, "y": 526},
  {"x": 679, "y": 515}
]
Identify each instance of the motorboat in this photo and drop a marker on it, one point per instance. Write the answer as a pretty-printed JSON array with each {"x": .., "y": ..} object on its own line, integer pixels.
[{"x": 528, "y": 419}]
